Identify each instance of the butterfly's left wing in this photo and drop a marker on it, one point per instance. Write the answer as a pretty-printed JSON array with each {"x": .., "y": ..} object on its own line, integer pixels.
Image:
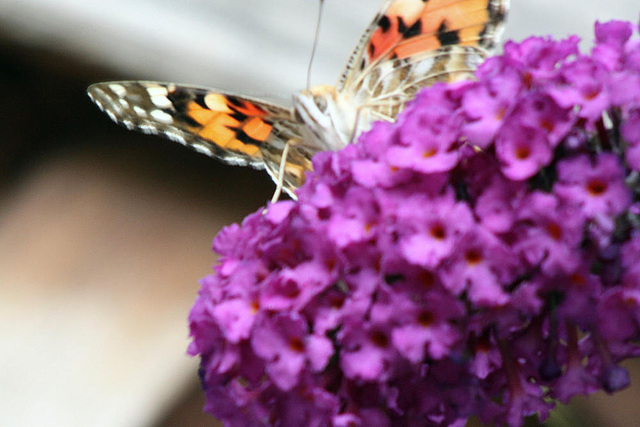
[
  {"x": 414, "y": 43},
  {"x": 234, "y": 129}
]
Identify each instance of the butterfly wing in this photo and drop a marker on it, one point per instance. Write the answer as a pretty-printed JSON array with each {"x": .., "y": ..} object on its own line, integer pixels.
[
  {"x": 386, "y": 89},
  {"x": 413, "y": 43},
  {"x": 234, "y": 129}
]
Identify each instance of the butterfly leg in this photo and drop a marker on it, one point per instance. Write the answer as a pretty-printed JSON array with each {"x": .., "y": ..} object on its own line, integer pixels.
[
  {"x": 287, "y": 163},
  {"x": 281, "y": 172}
]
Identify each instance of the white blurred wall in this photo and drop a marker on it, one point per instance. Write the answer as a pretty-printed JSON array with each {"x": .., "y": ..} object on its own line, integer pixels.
[{"x": 252, "y": 46}]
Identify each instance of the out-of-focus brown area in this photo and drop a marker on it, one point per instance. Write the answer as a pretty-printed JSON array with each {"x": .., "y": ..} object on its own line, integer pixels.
[{"x": 104, "y": 234}]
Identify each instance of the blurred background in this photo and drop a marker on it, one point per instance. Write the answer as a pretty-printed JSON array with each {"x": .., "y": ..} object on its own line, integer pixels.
[{"x": 105, "y": 233}]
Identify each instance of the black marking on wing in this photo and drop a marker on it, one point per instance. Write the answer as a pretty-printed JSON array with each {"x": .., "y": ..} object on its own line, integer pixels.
[
  {"x": 384, "y": 23},
  {"x": 246, "y": 139},
  {"x": 412, "y": 31},
  {"x": 447, "y": 37}
]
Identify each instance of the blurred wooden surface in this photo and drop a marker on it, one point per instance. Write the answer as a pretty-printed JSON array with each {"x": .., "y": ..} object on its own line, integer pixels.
[{"x": 104, "y": 233}]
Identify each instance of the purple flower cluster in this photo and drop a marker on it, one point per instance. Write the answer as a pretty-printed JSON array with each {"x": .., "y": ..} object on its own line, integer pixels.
[{"x": 479, "y": 257}]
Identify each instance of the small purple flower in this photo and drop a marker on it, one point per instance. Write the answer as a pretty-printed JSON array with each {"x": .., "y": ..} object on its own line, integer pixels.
[
  {"x": 543, "y": 112},
  {"x": 235, "y": 318},
  {"x": 631, "y": 267},
  {"x": 522, "y": 150},
  {"x": 486, "y": 356},
  {"x": 536, "y": 58},
  {"x": 497, "y": 203},
  {"x": 611, "y": 38},
  {"x": 286, "y": 348},
  {"x": 549, "y": 234},
  {"x": 296, "y": 286},
  {"x": 424, "y": 327},
  {"x": 367, "y": 352},
  {"x": 596, "y": 186},
  {"x": 428, "y": 138},
  {"x": 429, "y": 229},
  {"x": 619, "y": 317},
  {"x": 631, "y": 134},
  {"x": 480, "y": 266},
  {"x": 582, "y": 84},
  {"x": 486, "y": 105}
]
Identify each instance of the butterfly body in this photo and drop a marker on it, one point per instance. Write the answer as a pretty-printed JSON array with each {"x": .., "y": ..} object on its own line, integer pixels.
[
  {"x": 329, "y": 117},
  {"x": 409, "y": 45}
]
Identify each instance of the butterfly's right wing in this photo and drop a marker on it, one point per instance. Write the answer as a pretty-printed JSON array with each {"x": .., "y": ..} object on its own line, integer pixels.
[
  {"x": 234, "y": 129},
  {"x": 414, "y": 43}
]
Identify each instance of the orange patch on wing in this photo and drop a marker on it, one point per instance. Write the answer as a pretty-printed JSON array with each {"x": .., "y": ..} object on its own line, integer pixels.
[
  {"x": 459, "y": 16},
  {"x": 417, "y": 45},
  {"x": 218, "y": 134},
  {"x": 240, "y": 147},
  {"x": 219, "y": 127},
  {"x": 468, "y": 17},
  {"x": 199, "y": 114},
  {"x": 249, "y": 109},
  {"x": 205, "y": 116},
  {"x": 257, "y": 129},
  {"x": 381, "y": 41}
]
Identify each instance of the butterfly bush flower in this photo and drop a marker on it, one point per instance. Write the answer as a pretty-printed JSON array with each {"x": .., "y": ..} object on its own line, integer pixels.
[{"x": 479, "y": 257}]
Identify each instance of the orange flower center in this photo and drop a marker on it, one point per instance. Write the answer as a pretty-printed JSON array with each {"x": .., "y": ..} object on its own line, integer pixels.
[{"x": 596, "y": 187}]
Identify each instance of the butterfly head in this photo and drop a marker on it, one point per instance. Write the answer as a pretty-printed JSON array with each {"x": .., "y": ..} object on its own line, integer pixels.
[{"x": 319, "y": 108}]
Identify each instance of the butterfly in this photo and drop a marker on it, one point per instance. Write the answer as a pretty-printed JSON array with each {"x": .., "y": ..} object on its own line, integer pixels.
[{"x": 409, "y": 44}]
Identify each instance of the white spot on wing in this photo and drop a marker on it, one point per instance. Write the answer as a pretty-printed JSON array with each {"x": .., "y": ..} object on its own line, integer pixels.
[
  {"x": 174, "y": 136},
  {"x": 147, "y": 128},
  {"x": 161, "y": 101},
  {"x": 421, "y": 68},
  {"x": 161, "y": 116},
  {"x": 157, "y": 91},
  {"x": 98, "y": 103},
  {"x": 118, "y": 89},
  {"x": 123, "y": 102},
  {"x": 201, "y": 149},
  {"x": 140, "y": 111},
  {"x": 114, "y": 108}
]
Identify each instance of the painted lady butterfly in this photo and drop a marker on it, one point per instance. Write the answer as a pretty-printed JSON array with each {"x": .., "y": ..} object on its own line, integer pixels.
[{"x": 409, "y": 45}]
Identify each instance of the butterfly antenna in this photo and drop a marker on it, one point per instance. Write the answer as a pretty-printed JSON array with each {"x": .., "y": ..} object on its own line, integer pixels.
[{"x": 315, "y": 44}]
